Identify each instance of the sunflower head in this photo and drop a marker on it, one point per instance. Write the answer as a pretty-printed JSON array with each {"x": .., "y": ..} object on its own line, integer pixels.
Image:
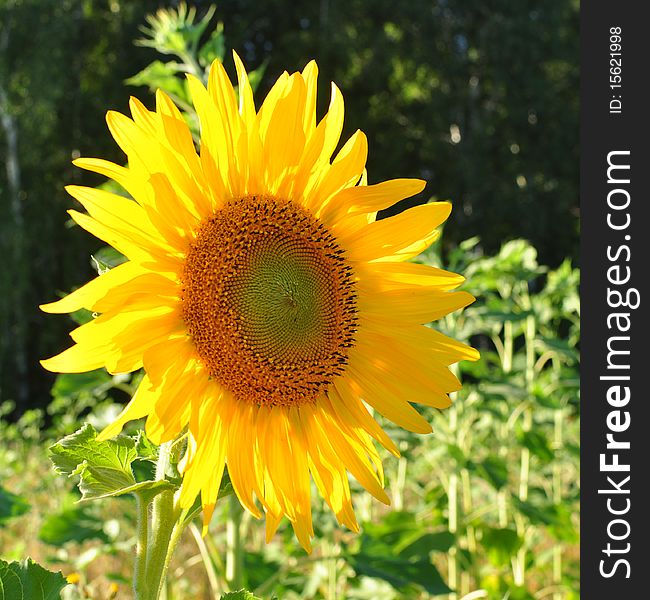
[{"x": 269, "y": 309}]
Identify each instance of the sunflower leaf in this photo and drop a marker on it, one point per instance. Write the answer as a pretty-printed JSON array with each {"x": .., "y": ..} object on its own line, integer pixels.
[
  {"x": 145, "y": 448},
  {"x": 104, "y": 468},
  {"x": 501, "y": 544},
  {"x": 82, "y": 447},
  {"x": 145, "y": 489},
  {"x": 26, "y": 580}
]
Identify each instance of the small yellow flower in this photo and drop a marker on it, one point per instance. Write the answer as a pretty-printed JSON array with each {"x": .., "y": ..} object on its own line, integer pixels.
[
  {"x": 73, "y": 578},
  {"x": 265, "y": 303}
]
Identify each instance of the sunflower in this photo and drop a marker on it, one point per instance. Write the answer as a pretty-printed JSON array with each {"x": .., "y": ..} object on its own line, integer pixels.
[{"x": 265, "y": 303}]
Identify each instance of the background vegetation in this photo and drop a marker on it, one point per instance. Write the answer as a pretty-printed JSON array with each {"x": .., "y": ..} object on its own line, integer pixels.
[{"x": 480, "y": 100}]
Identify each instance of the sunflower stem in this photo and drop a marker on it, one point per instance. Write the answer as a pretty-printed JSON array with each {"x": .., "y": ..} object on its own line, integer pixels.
[
  {"x": 234, "y": 556},
  {"x": 174, "y": 538},
  {"x": 158, "y": 535},
  {"x": 140, "y": 570}
]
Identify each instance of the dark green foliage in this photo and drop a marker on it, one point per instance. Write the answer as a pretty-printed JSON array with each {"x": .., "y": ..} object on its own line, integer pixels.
[
  {"x": 11, "y": 505},
  {"x": 398, "y": 551},
  {"x": 76, "y": 524},
  {"x": 62, "y": 66}
]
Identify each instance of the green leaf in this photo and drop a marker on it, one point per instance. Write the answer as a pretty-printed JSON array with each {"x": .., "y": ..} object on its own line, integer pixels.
[
  {"x": 76, "y": 524},
  {"x": 520, "y": 593},
  {"x": 214, "y": 48},
  {"x": 562, "y": 347},
  {"x": 240, "y": 595},
  {"x": 11, "y": 505},
  {"x": 537, "y": 512},
  {"x": 421, "y": 545},
  {"x": 82, "y": 446},
  {"x": 258, "y": 568},
  {"x": 146, "y": 449},
  {"x": 501, "y": 544},
  {"x": 538, "y": 445},
  {"x": 107, "y": 258},
  {"x": 26, "y": 580},
  {"x": 160, "y": 75},
  {"x": 457, "y": 454},
  {"x": 146, "y": 489},
  {"x": 400, "y": 537},
  {"x": 400, "y": 573},
  {"x": 495, "y": 471},
  {"x": 104, "y": 467},
  {"x": 74, "y": 384}
]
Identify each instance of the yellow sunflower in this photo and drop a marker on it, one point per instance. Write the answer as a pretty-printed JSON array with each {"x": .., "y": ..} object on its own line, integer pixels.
[{"x": 265, "y": 303}]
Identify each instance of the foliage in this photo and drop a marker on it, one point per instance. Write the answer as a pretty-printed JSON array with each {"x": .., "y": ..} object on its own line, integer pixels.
[{"x": 11, "y": 506}]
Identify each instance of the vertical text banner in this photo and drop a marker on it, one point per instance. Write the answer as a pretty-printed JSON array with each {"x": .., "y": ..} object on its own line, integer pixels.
[{"x": 615, "y": 261}]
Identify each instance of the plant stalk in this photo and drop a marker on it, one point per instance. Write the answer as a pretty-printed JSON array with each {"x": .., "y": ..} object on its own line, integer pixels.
[
  {"x": 234, "y": 556},
  {"x": 140, "y": 570},
  {"x": 158, "y": 534}
]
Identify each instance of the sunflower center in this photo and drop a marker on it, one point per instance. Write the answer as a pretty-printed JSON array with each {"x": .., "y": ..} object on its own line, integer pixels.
[{"x": 269, "y": 301}]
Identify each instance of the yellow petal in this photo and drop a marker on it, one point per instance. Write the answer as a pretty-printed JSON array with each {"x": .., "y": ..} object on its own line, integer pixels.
[
  {"x": 369, "y": 198},
  {"x": 89, "y": 294},
  {"x": 78, "y": 359},
  {"x": 385, "y": 276},
  {"x": 385, "y": 399},
  {"x": 416, "y": 305},
  {"x": 310, "y": 76},
  {"x": 141, "y": 404},
  {"x": 387, "y": 237},
  {"x": 241, "y": 456},
  {"x": 344, "y": 172},
  {"x": 208, "y": 427},
  {"x": 246, "y": 103},
  {"x": 351, "y": 410}
]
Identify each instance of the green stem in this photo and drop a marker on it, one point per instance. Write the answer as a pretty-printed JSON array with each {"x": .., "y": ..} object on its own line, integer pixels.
[
  {"x": 158, "y": 538},
  {"x": 557, "y": 499},
  {"x": 234, "y": 556},
  {"x": 527, "y": 423},
  {"x": 162, "y": 525},
  {"x": 140, "y": 570},
  {"x": 452, "y": 566},
  {"x": 215, "y": 555},
  {"x": 508, "y": 346},
  {"x": 399, "y": 484},
  {"x": 452, "y": 494},
  {"x": 174, "y": 538},
  {"x": 468, "y": 507}
]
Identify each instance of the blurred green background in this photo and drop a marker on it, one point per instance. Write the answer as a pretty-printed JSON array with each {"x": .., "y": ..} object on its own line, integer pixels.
[{"x": 478, "y": 98}]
